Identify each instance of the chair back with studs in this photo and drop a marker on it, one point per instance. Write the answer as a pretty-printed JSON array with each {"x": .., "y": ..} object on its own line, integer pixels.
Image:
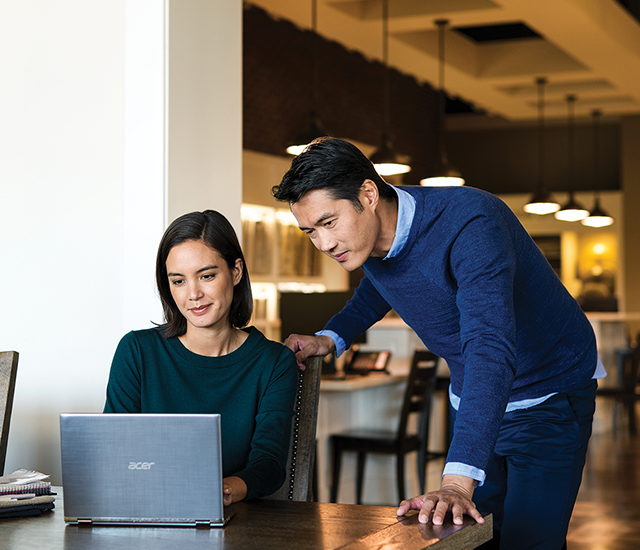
[{"x": 302, "y": 449}]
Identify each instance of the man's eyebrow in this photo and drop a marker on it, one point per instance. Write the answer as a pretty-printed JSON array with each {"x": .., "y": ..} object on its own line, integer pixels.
[{"x": 320, "y": 220}]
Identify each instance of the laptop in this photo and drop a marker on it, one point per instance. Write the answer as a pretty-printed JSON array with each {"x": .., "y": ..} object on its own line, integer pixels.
[{"x": 142, "y": 469}]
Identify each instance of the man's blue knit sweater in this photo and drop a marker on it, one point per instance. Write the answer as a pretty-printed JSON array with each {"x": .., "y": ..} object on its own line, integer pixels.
[{"x": 477, "y": 290}]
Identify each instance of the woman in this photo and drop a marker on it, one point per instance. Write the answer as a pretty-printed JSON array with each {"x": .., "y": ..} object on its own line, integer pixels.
[{"x": 202, "y": 360}]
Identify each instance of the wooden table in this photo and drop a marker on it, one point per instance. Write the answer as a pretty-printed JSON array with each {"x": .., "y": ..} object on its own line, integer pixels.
[{"x": 263, "y": 525}]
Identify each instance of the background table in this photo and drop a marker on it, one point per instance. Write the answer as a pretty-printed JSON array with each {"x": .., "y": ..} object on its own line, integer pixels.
[
  {"x": 372, "y": 401},
  {"x": 263, "y": 525}
]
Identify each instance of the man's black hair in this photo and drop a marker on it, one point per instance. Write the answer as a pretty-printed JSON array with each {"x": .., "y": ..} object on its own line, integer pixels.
[{"x": 335, "y": 165}]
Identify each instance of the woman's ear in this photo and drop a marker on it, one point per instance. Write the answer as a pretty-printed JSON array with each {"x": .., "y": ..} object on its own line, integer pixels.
[{"x": 237, "y": 271}]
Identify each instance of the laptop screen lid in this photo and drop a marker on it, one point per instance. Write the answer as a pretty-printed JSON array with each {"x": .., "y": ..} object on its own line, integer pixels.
[{"x": 147, "y": 469}]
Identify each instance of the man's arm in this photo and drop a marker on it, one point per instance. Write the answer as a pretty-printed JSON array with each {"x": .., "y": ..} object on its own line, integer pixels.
[{"x": 363, "y": 310}]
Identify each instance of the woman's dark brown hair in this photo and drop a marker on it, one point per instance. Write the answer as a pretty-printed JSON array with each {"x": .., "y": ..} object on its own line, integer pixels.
[{"x": 216, "y": 231}]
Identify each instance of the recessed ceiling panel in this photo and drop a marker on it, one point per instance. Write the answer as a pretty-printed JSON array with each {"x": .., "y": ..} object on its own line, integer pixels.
[
  {"x": 610, "y": 104},
  {"x": 562, "y": 87},
  {"x": 372, "y": 9},
  {"x": 498, "y": 33},
  {"x": 495, "y": 59},
  {"x": 524, "y": 57}
]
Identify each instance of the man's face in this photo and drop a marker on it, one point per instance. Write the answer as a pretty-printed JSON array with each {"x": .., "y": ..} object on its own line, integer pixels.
[{"x": 337, "y": 228}]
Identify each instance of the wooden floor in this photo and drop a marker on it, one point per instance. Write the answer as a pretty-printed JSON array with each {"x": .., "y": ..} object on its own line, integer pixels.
[{"x": 607, "y": 513}]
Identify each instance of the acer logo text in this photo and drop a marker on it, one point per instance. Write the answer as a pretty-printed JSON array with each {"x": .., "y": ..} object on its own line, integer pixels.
[{"x": 140, "y": 465}]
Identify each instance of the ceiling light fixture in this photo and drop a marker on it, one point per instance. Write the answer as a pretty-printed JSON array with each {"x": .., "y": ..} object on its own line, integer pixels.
[
  {"x": 443, "y": 173},
  {"x": 572, "y": 211},
  {"x": 597, "y": 217},
  {"x": 314, "y": 129},
  {"x": 385, "y": 159},
  {"x": 541, "y": 202}
]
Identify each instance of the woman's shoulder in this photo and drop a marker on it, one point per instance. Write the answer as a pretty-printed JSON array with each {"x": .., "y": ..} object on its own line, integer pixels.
[
  {"x": 146, "y": 335},
  {"x": 259, "y": 340},
  {"x": 143, "y": 339},
  {"x": 260, "y": 345}
]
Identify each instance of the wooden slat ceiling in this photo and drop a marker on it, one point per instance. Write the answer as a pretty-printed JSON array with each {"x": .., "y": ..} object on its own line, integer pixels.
[{"x": 495, "y": 49}]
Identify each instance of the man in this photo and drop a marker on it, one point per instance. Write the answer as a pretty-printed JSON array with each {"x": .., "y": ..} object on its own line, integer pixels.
[{"x": 459, "y": 268}]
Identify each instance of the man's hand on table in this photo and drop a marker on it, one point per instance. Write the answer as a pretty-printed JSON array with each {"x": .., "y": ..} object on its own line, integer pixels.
[
  {"x": 308, "y": 346},
  {"x": 454, "y": 495}
]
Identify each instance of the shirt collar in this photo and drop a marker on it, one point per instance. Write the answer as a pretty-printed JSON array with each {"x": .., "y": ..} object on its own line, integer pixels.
[{"x": 406, "y": 212}]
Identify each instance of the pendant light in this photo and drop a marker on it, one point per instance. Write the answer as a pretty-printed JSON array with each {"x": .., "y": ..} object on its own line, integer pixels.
[
  {"x": 541, "y": 202},
  {"x": 597, "y": 217},
  {"x": 443, "y": 173},
  {"x": 572, "y": 211},
  {"x": 314, "y": 129},
  {"x": 385, "y": 159}
]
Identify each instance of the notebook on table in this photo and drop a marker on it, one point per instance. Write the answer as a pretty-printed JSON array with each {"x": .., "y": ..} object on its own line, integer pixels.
[{"x": 142, "y": 469}]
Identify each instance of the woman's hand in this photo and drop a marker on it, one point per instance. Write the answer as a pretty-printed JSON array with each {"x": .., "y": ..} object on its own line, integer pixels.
[
  {"x": 454, "y": 495},
  {"x": 234, "y": 489}
]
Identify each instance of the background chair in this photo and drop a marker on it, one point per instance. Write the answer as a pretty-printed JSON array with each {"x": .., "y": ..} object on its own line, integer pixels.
[
  {"x": 302, "y": 449},
  {"x": 624, "y": 393},
  {"x": 8, "y": 368},
  {"x": 417, "y": 399}
]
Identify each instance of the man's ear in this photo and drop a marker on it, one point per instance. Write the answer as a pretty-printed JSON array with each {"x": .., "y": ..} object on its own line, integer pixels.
[{"x": 369, "y": 193}]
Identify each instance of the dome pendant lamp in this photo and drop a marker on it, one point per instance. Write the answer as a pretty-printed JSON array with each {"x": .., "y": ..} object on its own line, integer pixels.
[
  {"x": 314, "y": 129},
  {"x": 572, "y": 211},
  {"x": 541, "y": 202},
  {"x": 385, "y": 159},
  {"x": 443, "y": 173},
  {"x": 597, "y": 217}
]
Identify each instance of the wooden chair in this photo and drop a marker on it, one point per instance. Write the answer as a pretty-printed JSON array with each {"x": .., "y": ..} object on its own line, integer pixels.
[
  {"x": 8, "y": 368},
  {"x": 417, "y": 399},
  {"x": 302, "y": 450},
  {"x": 625, "y": 392}
]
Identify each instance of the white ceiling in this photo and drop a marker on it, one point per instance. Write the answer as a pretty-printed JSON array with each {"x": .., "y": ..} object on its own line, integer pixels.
[{"x": 590, "y": 48}]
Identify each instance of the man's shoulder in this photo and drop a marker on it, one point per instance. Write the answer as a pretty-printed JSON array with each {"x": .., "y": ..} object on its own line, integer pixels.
[
  {"x": 448, "y": 194},
  {"x": 462, "y": 202}
]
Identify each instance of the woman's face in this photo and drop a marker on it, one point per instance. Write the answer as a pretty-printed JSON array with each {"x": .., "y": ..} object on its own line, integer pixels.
[{"x": 202, "y": 284}]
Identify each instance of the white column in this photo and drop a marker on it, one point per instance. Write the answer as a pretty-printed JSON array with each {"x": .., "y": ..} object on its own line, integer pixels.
[
  {"x": 205, "y": 107},
  {"x": 145, "y": 154}
]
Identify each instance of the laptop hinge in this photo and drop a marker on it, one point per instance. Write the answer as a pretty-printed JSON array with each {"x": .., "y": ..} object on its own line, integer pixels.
[
  {"x": 203, "y": 523},
  {"x": 85, "y": 521}
]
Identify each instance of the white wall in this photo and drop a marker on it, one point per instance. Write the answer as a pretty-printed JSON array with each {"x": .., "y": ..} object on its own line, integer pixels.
[{"x": 84, "y": 187}]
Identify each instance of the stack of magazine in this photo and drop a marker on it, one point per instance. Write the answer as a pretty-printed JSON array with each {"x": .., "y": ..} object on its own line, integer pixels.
[{"x": 25, "y": 493}]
